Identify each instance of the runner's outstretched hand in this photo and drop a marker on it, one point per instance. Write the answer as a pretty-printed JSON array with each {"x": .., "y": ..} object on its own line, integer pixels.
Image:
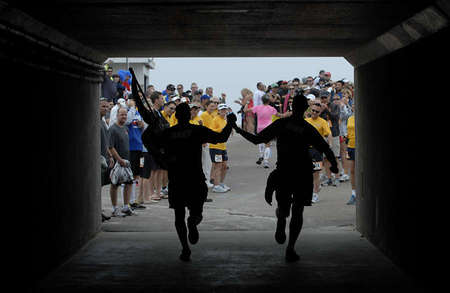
[{"x": 231, "y": 118}]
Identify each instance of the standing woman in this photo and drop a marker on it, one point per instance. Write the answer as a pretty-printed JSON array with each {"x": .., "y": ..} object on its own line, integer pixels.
[
  {"x": 264, "y": 114},
  {"x": 351, "y": 137},
  {"x": 249, "y": 117}
]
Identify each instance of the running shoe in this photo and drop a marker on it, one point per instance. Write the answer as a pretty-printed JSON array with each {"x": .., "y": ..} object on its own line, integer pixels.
[
  {"x": 116, "y": 212},
  {"x": 185, "y": 255},
  {"x": 227, "y": 188},
  {"x": 208, "y": 199},
  {"x": 218, "y": 189},
  {"x": 266, "y": 165},
  {"x": 291, "y": 255},
  {"x": 137, "y": 206},
  {"x": 259, "y": 161},
  {"x": 315, "y": 198},
  {"x": 352, "y": 200},
  {"x": 210, "y": 185},
  {"x": 343, "y": 178},
  {"x": 165, "y": 190},
  {"x": 127, "y": 211}
]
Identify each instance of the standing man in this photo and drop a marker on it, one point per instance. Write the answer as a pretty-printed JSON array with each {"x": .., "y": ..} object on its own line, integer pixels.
[
  {"x": 292, "y": 179},
  {"x": 259, "y": 93},
  {"x": 135, "y": 126},
  {"x": 180, "y": 90},
  {"x": 109, "y": 90},
  {"x": 218, "y": 152},
  {"x": 207, "y": 117},
  {"x": 324, "y": 130},
  {"x": 119, "y": 146},
  {"x": 104, "y": 151}
]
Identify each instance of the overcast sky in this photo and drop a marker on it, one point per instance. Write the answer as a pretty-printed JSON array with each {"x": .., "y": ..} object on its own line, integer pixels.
[{"x": 230, "y": 75}]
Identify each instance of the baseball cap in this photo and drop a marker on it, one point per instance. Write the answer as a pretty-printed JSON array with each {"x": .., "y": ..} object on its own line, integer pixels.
[
  {"x": 222, "y": 106},
  {"x": 194, "y": 105},
  {"x": 175, "y": 98},
  {"x": 328, "y": 73},
  {"x": 122, "y": 102},
  {"x": 170, "y": 87},
  {"x": 311, "y": 97},
  {"x": 274, "y": 85}
]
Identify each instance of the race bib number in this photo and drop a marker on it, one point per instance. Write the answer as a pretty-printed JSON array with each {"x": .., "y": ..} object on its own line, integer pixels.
[
  {"x": 317, "y": 166},
  {"x": 142, "y": 162},
  {"x": 218, "y": 158}
]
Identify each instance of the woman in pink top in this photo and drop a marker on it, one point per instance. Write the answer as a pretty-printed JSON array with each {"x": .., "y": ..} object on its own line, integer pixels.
[{"x": 264, "y": 114}]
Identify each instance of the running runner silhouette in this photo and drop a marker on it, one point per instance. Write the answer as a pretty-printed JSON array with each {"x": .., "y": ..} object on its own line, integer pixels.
[
  {"x": 292, "y": 180},
  {"x": 180, "y": 147}
]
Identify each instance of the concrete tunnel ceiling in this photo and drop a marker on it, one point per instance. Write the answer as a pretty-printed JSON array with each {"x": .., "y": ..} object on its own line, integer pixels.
[{"x": 208, "y": 28}]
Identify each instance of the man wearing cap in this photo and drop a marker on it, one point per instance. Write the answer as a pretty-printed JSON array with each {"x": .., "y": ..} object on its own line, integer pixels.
[
  {"x": 218, "y": 152},
  {"x": 195, "y": 119},
  {"x": 170, "y": 90},
  {"x": 292, "y": 180}
]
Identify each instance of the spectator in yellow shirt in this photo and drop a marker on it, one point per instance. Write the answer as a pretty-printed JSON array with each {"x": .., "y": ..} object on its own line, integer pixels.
[
  {"x": 169, "y": 113},
  {"x": 351, "y": 144},
  {"x": 322, "y": 127},
  {"x": 195, "y": 119},
  {"x": 218, "y": 152}
]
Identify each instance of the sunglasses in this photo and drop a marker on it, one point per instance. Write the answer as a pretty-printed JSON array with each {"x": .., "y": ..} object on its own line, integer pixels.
[
  {"x": 171, "y": 108},
  {"x": 315, "y": 111}
]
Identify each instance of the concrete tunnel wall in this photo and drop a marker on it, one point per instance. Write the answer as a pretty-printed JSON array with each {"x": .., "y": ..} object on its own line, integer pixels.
[
  {"x": 54, "y": 134},
  {"x": 401, "y": 113}
]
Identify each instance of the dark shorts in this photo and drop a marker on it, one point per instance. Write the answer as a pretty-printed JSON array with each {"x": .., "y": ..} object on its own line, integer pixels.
[
  {"x": 218, "y": 155},
  {"x": 351, "y": 154},
  {"x": 146, "y": 170},
  {"x": 187, "y": 194},
  {"x": 316, "y": 156},
  {"x": 135, "y": 161},
  {"x": 294, "y": 195}
]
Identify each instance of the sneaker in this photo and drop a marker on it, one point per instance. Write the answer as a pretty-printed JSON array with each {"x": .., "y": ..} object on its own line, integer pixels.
[
  {"x": 227, "y": 188},
  {"x": 165, "y": 190},
  {"x": 210, "y": 185},
  {"x": 218, "y": 189},
  {"x": 344, "y": 177},
  {"x": 116, "y": 212},
  {"x": 336, "y": 182},
  {"x": 352, "y": 200},
  {"x": 137, "y": 206},
  {"x": 127, "y": 211},
  {"x": 208, "y": 199},
  {"x": 315, "y": 198},
  {"x": 266, "y": 165},
  {"x": 259, "y": 161},
  {"x": 329, "y": 182}
]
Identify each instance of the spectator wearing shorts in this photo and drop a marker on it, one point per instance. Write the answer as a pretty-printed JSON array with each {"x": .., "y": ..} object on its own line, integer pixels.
[
  {"x": 324, "y": 130},
  {"x": 333, "y": 116},
  {"x": 218, "y": 152},
  {"x": 119, "y": 146},
  {"x": 345, "y": 113},
  {"x": 135, "y": 126},
  {"x": 351, "y": 155}
]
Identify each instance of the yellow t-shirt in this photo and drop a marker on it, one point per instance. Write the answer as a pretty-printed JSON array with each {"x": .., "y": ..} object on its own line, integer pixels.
[
  {"x": 351, "y": 132},
  {"x": 207, "y": 119},
  {"x": 217, "y": 125},
  {"x": 195, "y": 121},
  {"x": 320, "y": 125},
  {"x": 171, "y": 119}
]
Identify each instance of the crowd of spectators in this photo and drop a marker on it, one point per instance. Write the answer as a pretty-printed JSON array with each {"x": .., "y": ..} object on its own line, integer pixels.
[{"x": 331, "y": 101}]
